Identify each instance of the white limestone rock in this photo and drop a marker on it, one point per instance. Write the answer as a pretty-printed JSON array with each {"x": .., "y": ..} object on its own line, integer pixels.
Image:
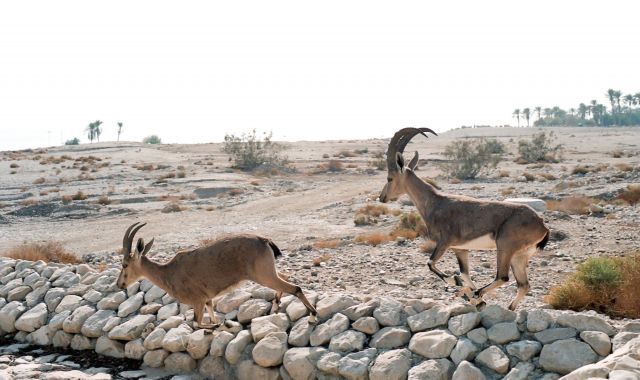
[
  {"x": 434, "y": 344},
  {"x": 32, "y": 319}
]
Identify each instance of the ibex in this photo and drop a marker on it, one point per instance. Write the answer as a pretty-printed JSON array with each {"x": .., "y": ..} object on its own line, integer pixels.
[
  {"x": 198, "y": 276},
  {"x": 464, "y": 223}
]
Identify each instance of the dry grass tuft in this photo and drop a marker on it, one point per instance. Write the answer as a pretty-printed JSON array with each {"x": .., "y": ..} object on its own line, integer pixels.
[
  {"x": 39, "y": 181},
  {"x": 345, "y": 153},
  {"x": 330, "y": 244},
  {"x": 548, "y": 176},
  {"x": 624, "y": 167},
  {"x": 504, "y": 173},
  {"x": 631, "y": 194},
  {"x": 605, "y": 284},
  {"x": 508, "y": 191},
  {"x": 79, "y": 196},
  {"x": 236, "y": 191},
  {"x": 580, "y": 170},
  {"x": 47, "y": 252},
  {"x": 578, "y": 205},
  {"x": 367, "y": 215},
  {"x": 174, "y": 206},
  {"x": 66, "y": 199},
  {"x": 13, "y": 165},
  {"x": 617, "y": 153},
  {"x": 528, "y": 176},
  {"x": 374, "y": 239},
  {"x": 104, "y": 200},
  {"x": 334, "y": 166},
  {"x": 29, "y": 202}
]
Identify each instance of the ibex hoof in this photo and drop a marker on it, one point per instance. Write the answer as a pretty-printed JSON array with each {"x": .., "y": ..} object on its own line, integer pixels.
[
  {"x": 313, "y": 320},
  {"x": 466, "y": 292},
  {"x": 450, "y": 281}
]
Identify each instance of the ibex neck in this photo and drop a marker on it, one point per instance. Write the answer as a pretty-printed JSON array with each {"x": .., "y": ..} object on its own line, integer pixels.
[
  {"x": 421, "y": 193},
  {"x": 155, "y": 272}
]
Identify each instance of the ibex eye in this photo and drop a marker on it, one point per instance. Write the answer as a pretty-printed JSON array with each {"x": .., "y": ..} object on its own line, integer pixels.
[{"x": 389, "y": 179}]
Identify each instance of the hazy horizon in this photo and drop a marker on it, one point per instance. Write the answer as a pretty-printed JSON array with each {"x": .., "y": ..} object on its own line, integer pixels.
[{"x": 338, "y": 70}]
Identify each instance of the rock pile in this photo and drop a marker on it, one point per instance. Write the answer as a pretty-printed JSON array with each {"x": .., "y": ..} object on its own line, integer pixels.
[{"x": 386, "y": 338}]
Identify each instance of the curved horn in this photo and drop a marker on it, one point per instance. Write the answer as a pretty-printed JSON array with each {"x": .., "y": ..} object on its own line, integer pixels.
[
  {"x": 399, "y": 141},
  {"x": 129, "y": 235}
]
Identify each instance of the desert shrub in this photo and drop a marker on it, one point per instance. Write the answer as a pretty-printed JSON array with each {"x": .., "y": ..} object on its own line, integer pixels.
[
  {"x": 374, "y": 239},
  {"x": 624, "y": 167},
  {"x": 326, "y": 155},
  {"x": 379, "y": 164},
  {"x": 577, "y": 205},
  {"x": 507, "y": 191},
  {"x": 369, "y": 214},
  {"x": 38, "y": 181},
  {"x": 66, "y": 199},
  {"x": 235, "y": 191},
  {"x": 334, "y": 166},
  {"x": 504, "y": 173},
  {"x": 631, "y": 194},
  {"x": 411, "y": 221},
  {"x": 331, "y": 243},
  {"x": 344, "y": 154},
  {"x": 73, "y": 141},
  {"x": 548, "y": 176},
  {"x": 361, "y": 151},
  {"x": 47, "y": 252},
  {"x": 174, "y": 206},
  {"x": 79, "y": 196},
  {"x": 181, "y": 174},
  {"x": 248, "y": 151},
  {"x": 605, "y": 284},
  {"x": 469, "y": 158},
  {"x": 579, "y": 169},
  {"x": 539, "y": 148},
  {"x": 617, "y": 153},
  {"x": 494, "y": 146},
  {"x": 104, "y": 200},
  {"x": 153, "y": 139},
  {"x": 528, "y": 176},
  {"x": 13, "y": 165}
]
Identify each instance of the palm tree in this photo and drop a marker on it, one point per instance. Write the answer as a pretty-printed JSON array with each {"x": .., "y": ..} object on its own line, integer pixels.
[
  {"x": 582, "y": 110},
  {"x": 516, "y": 114},
  {"x": 91, "y": 131},
  {"x": 119, "y": 130},
  {"x": 600, "y": 111},
  {"x": 617, "y": 95},
  {"x": 592, "y": 107},
  {"x": 629, "y": 100},
  {"x": 572, "y": 111},
  {"x": 547, "y": 112},
  {"x": 538, "y": 111},
  {"x": 611, "y": 94},
  {"x": 98, "y": 130},
  {"x": 637, "y": 97},
  {"x": 527, "y": 114}
]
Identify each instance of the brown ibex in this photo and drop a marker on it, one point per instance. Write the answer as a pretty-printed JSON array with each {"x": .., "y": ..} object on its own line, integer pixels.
[
  {"x": 198, "y": 276},
  {"x": 464, "y": 223}
]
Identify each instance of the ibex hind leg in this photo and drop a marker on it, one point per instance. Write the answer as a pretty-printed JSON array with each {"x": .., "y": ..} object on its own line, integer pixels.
[
  {"x": 519, "y": 268},
  {"x": 273, "y": 281}
]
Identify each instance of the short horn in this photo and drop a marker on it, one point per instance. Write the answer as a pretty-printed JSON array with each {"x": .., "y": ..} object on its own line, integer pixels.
[{"x": 399, "y": 141}]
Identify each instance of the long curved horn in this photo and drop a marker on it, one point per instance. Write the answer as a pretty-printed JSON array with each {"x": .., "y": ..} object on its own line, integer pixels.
[
  {"x": 129, "y": 234},
  {"x": 399, "y": 141}
]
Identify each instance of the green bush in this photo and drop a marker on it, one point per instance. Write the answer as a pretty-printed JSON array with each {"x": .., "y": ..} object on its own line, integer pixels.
[
  {"x": 599, "y": 272},
  {"x": 539, "y": 149},
  {"x": 153, "y": 139},
  {"x": 73, "y": 141},
  {"x": 470, "y": 157},
  {"x": 249, "y": 152}
]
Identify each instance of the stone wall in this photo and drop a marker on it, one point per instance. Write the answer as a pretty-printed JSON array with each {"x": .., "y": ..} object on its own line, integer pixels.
[{"x": 386, "y": 338}]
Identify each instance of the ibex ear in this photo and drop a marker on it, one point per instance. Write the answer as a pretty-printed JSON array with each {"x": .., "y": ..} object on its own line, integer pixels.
[
  {"x": 147, "y": 247},
  {"x": 140, "y": 246},
  {"x": 400, "y": 161},
  {"x": 414, "y": 162}
]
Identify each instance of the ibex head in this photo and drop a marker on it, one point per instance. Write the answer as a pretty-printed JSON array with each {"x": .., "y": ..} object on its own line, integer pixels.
[
  {"x": 394, "y": 187},
  {"x": 131, "y": 260}
]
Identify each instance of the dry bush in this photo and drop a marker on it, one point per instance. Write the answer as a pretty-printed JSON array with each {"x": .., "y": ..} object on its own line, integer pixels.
[
  {"x": 47, "y": 252},
  {"x": 169, "y": 198},
  {"x": 571, "y": 205},
  {"x": 79, "y": 196},
  {"x": 146, "y": 167},
  {"x": 174, "y": 206},
  {"x": 604, "y": 284},
  {"x": 404, "y": 233},
  {"x": 617, "y": 153},
  {"x": 528, "y": 176},
  {"x": 255, "y": 183},
  {"x": 507, "y": 191},
  {"x": 167, "y": 176},
  {"x": 326, "y": 155},
  {"x": 624, "y": 167},
  {"x": 181, "y": 174},
  {"x": 631, "y": 194},
  {"x": 471, "y": 157},
  {"x": 374, "y": 239},
  {"x": 548, "y": 176},
  {"x": 13, "y": 172},
  {"x": 539, "y": 148},
  {"x": 367, "y": 215},
  {"x": 361, "y": 151},
  {"x": 13, "y": 165},
  {"x": 411, "y": 221},
  {"x": 235, "y": 191},
  {"x": 39, "y": 181},
  {"x": 378, "y": 164},
  {"x": 331, "y": 243},
  {"x": 320, "y": 259},
  {"x": 104, "y": 200},
  {"x": 66, "y": 199},
  {"x": 504, "y": 173},
  {"x": 352, "y": 166},
  {"x": 454, "y": 181},
  {"x": 29, "y": 202},
  {"x": 345, "y": 153},
  {"x": 579, "y": 169}
]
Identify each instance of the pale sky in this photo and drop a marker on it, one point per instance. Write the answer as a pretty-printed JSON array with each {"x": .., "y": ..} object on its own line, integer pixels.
[{"x": 192, "y": 71}]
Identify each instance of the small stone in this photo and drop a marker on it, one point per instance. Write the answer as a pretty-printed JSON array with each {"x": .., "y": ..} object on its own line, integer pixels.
[
  {"x": 439, "y": 369},
  {"x": 478, "y": 336},
  {"x": 108, "y": 347},
  {"x": 522, "y": 371},
  {"x": 551, "y": 335},
  {"x": 358, "y": 311},
  {"x": 131, "y": 329},
  {"x": 355, "y": 366},
  {"x": 262, "y": 326},
  {"x": 70, "y": 302},
  {"x": 367, "y": 325},
  {"x": 168, "y": 311},
  {"x": 112, "y": 301},
  {"x": 428, "y": 319},
  {"x": 135, "y": 349},
  {"x": 80, "y": 342},
  {"x": 538, "y": 320},
  {"x": 493, "y": 314},
  {"x": 323, "y": 333},
  {"x": 73, "y": 323},
  {"x": 598, "y": 341},
  {"x": 583, "y": 322},
  {"x": 130, "y": 305},
  {"x": 524, "y": 350},
  {"x": 494, "y": 359},
  {"x": 232, "y": 300},
  {"x": 391, "y": 365},
  {"x": 301, "y": 332},
  {"x": 463, "y": 323},
  {"x": 176, "y": 339},
  {"x": 503, "y": 332},
  {"x": 199, "y": 344},
  {"x": 8, "y": 315},
  {"x": 463, "y": 350},
  {"x": 270, "y": 350},
  {"x": 253, "y": 308},
  {"x": 389, "y": 312},
  {"x": 347, "y": 341},
  {"x": 300, "y": 362},
  {"x": 179, "y": 362},
  {"x": 93, "y": 326},
  {"x": 329, "y": 363},
  {"x": 235, "y": 347},
  {"x": 390, "y": 337},
  {"x": 155, "y": 358},
  {"x": 564, "y": 356},
  {"x": 32, "y": 319},
  {"x": 153, "y": 294},
  {"x": 333, "y": 304},
  {"x": 433, "y": 344},
  {"x": 467, "y": 371},
  {"x": 219, "y": 342}
]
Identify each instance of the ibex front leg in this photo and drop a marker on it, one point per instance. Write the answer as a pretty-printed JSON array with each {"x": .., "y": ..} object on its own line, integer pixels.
[{"x": 436, "y": 255}]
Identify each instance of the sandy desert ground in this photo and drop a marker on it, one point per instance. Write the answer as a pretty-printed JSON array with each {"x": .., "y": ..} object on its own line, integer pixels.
[{"x": 302, "y": 207}]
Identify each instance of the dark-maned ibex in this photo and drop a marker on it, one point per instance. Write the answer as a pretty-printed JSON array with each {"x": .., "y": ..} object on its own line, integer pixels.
[
  {"x": 198, "y": 276},
  {"x": 465, "y": 223}
]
